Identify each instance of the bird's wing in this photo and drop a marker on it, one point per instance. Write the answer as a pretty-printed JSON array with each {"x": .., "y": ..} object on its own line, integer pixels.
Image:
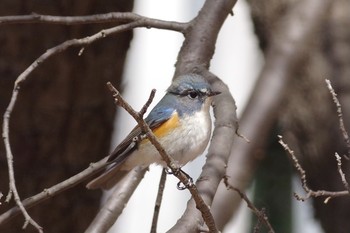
[{"x": 156, "y": 117}]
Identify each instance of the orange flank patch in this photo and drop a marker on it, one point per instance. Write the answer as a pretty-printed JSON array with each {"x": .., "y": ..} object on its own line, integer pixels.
[{"x": 167, "y": 126}]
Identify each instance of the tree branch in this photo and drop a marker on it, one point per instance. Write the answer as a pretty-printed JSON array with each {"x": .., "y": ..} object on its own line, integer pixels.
[
  {"x": 259, "y": 213},
  {"x": 112, "y": 17},
  {"x": 200, "y": 39},
  {"x": 341, "y": 173}
]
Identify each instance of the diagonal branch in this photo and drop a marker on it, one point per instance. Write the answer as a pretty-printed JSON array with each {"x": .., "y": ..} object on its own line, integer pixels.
[{"x": 261, "y": 215}]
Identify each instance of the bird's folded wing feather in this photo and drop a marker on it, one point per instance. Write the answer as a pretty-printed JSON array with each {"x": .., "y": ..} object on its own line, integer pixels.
[{"x": 156, "y": 117}]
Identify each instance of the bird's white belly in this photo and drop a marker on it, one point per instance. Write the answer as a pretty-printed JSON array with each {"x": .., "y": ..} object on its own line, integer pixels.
[{"x": 183, "y": 144}]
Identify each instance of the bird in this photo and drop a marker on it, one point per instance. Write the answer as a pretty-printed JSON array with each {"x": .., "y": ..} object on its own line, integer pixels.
[{"x": 181, "y": 122}]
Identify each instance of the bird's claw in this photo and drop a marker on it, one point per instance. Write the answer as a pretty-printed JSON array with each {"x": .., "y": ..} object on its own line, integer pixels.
[{"x": 182, "y": 186}]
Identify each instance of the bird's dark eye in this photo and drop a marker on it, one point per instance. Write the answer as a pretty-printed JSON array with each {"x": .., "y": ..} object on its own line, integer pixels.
[{"x": 192, "y": 94}]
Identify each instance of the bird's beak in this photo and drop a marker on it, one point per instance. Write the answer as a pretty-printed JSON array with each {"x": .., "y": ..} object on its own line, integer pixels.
[{"x": 212, "y": 93}]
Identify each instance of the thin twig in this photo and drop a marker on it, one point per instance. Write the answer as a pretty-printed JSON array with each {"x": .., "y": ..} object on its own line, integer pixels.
[
  {"x": 340, "y": 116},
  {"x": 12, "y": 183},
  {"x": 158, "y": 201},
  {"x": 171, "y": 163},
  {"x": 296, "y": 163},
  {"x": 259, "y": 213},
  {"x": 341, "y": 173},
  {"x": 148, "y": 103},
  {"x": 112, "y": 17},
  {"x": 309, "y": 192}
]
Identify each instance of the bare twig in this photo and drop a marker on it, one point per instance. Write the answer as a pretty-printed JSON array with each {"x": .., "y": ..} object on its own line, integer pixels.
[
  {"x": 171, "y": 163},
  {"x": 340, "y": 116},
  {"x": 296, "y": 163},
  {"x": 309, "y": 192},
  {"x": 262, "y": 218},
  {"x": 12, "y": 183},
  {"x": 158, "y": 201},
  {"x": 112, "y": 17},
  {"x": 341, "y": 173}
]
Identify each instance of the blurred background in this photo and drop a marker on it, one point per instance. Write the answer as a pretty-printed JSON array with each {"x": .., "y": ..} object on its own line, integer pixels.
[{"x": 65, "y": 117}]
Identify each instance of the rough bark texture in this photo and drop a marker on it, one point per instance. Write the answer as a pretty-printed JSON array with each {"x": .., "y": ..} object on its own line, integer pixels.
[{"x": 64, "y": 115}]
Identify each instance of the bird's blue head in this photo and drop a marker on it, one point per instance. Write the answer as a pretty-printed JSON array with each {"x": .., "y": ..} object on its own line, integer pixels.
[{"x": 190, "y": 93}]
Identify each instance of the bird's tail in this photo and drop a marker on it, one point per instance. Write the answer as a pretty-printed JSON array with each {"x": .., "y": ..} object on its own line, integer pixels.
[{"x": 108, "y": 179}]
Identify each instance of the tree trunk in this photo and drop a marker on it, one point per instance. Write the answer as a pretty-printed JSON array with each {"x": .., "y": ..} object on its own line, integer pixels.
[{"x": 64, "y": 115}]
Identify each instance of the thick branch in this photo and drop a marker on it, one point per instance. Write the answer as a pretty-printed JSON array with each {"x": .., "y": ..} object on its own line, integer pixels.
[{"x": 199, "y": 45}]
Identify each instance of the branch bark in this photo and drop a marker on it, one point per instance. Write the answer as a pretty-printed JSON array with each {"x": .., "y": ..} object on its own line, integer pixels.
[{"x": 112, "y": 17}]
